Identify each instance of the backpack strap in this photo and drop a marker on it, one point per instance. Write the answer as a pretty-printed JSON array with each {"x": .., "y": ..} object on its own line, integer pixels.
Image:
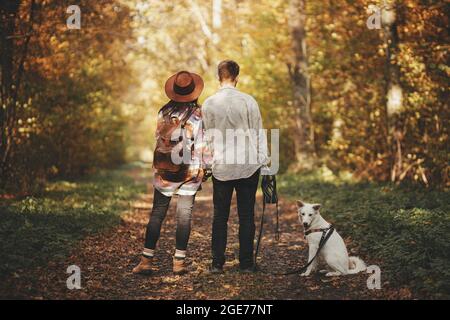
[{"x": 187, "y": 116}]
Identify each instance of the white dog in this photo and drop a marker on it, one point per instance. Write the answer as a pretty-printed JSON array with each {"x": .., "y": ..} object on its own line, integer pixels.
[{"x": 334, "y": 252}]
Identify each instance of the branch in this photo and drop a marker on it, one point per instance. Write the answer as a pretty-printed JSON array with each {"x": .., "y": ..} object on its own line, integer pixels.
[
  {"x": 18, "y": 36},
  {"x": 196, "y": 9}
]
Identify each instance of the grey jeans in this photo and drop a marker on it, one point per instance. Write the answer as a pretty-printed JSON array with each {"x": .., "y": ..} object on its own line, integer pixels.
[{"x": 161, "y": 203}]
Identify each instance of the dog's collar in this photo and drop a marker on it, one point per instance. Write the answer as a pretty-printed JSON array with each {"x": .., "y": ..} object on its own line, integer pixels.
[{"x": 309, "y": 231}]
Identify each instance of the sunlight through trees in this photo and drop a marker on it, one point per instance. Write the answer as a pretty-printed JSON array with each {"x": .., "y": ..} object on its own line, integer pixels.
[{"x": 372, "y": 102}]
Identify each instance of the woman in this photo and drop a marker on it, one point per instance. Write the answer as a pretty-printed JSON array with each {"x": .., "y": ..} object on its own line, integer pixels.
[{"x": 177, "y": 165}]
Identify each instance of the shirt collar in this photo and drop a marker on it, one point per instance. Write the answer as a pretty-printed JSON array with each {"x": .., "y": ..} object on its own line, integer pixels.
[{"x": 227, "y": 86}]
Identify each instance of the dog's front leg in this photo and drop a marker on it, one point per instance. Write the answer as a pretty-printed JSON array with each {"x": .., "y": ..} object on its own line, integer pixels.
[{"x": 312, "y": 267}]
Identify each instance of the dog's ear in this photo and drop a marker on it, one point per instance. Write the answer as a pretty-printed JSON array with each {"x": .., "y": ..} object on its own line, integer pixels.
[
  {"x": 300, "y": 203},
  {"x": 316, "y": 206}
]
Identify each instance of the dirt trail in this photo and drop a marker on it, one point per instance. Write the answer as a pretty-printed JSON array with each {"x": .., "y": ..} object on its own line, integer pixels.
[{"x": 106, "y": 261}]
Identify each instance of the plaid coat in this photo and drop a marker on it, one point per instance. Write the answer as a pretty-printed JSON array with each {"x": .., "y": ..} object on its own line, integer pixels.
[{"x": 193, "y": 138}]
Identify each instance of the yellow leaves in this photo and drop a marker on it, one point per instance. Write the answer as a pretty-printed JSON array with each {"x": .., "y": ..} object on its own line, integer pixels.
[
  {"x": 335, "y": 36},
  {"x": 63, "y": 45}
]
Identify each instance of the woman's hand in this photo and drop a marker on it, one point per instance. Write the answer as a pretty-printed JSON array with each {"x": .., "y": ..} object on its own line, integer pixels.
[{"x": 206, "y": 174}]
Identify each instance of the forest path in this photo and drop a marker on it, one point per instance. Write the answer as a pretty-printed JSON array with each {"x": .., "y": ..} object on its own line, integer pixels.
[{"x": 106, "y": 261}]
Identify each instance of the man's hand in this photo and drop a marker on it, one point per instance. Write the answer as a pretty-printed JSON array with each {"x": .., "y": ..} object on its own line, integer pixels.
[{"x": 265, "y": 170}]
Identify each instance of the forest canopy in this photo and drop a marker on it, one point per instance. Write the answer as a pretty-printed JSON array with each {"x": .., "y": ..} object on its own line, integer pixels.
[{"x": 368, "y": 98}]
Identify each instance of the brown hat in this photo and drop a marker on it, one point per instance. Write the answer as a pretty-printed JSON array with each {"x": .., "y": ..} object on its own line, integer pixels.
[{"x": 184, "y": 86}]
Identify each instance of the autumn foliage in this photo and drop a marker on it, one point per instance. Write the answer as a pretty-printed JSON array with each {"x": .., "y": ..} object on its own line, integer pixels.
[
  {"x": 371, "y": 102},
  {"x": 60, "y": 89},
  {"x": 362, "y": 110}
]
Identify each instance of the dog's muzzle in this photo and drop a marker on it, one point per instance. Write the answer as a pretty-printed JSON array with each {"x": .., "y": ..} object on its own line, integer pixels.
[{"x": 305, "y": 225}]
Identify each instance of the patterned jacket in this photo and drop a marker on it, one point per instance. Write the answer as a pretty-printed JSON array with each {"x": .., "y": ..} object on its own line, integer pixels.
[{"x": 193, "y": 139}]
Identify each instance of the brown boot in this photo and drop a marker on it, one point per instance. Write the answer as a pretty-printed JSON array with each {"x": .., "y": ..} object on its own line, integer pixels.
[
  {"x": 179, "y": 266},
  {"x": 144, "y": 266}
]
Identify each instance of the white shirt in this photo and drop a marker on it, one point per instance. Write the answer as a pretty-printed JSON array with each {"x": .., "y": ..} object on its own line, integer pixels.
[{"x": 234, "y": 134}]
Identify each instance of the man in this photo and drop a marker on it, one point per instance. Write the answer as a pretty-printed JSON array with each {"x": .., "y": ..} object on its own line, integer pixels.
[{"x": 239, "y": 149}]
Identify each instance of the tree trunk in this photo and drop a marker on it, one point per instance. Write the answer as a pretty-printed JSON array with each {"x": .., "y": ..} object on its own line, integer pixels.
[
  {"x": 301, "y": 83},
  {"x": 206, "y": 57},
  {"x": 393, "y": 89},
  {"x": 217, "y": 14},
  {"x": 8, "y": 14},
  {"x": 11, "y": 74}
]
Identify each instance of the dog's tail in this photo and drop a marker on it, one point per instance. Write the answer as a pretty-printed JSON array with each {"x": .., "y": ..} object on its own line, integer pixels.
[{"x": 355, "y": 265}]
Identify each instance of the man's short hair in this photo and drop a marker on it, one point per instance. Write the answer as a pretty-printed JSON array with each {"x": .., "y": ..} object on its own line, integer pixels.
[{"x": 228, "y": 70}]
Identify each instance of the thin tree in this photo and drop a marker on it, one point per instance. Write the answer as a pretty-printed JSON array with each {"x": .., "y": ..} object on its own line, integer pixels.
[
  {"x": 301, "y": 84},
  {"x": 393, "y": 88}
]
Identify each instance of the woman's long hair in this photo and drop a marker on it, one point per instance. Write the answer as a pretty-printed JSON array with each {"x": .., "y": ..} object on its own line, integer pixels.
[{"x": 174, "y": 105}]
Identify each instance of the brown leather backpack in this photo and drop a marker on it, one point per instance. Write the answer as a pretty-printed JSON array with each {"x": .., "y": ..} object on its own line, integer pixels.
[{"x": 167, "y": 143}]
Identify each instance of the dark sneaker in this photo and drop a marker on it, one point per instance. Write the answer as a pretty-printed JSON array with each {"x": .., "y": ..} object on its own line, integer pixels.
[
  {"x": 250, "y": 269},
  {"x": 216, "y": 269}
]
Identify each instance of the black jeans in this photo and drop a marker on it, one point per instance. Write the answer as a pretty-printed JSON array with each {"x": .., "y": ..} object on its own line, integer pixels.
[
  {"x": 159, "y": 211},
  {"x": 245, "y": 193}
]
